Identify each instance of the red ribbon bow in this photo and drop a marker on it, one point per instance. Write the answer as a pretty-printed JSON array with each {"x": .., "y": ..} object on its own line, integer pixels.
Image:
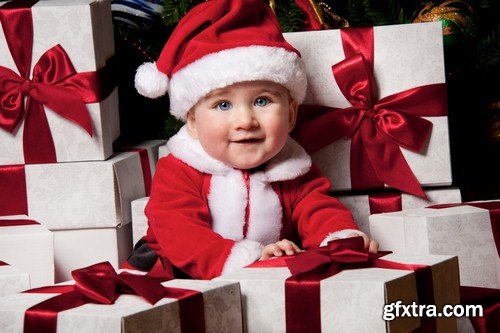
[
  {"x": 302, "y": 289},
  {"x": 377, "y": 127},
  {"x": 54, "y": 83},
  {"x": 100, "y": 284}
]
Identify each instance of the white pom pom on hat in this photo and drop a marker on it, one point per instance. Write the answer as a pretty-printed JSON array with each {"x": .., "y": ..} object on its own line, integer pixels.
[
  {"x": 150, "y": 82},
  {"x": 219, "y": 43}
]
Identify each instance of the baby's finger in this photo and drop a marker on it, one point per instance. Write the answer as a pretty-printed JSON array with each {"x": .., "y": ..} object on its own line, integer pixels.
[
  {"x": 276, "y": 250},
  {"x": 373, "y": 247},
  {"x": 366, "y": 239},
  {"x": 286, "y": 246}
]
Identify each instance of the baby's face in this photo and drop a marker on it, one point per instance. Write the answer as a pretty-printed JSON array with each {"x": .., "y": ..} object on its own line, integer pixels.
[{"x": 243, "y": 125}]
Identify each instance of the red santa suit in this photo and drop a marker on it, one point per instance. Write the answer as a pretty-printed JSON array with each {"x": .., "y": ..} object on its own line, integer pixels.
[{"x": 207, "y": 218}]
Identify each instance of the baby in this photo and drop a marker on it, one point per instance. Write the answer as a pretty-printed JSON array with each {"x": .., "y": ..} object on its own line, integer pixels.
[{"x": 235, "y": 187}]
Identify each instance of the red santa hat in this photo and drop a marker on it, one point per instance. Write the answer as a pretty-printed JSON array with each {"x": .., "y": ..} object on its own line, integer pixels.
[{"x": 218, "y": 43}]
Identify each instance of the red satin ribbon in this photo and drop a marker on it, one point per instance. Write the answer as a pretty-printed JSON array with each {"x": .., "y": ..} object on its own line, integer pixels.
[
  {"x": 54, "y": 83},
  {"x": 100, "y": 284},
  {"x": 13, "y": 196},
  {"x": 16, "y": 222},
  {"x": 377, "y": 127},
  {"x": 494, "y": 209},
  {"x": 3, "y": 263},
  {"x": 385, "y": 203},
  {"x": 489, "y": 298},
  {"x": 302, "y": 289}
]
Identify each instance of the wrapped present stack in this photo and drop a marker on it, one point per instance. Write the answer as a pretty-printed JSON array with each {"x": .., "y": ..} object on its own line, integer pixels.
[
  {"x": 378, "y": 98},
  {"x": 375, "y": 117},
  {"x": 331, "y": 289},
  {"x": 101, "y": 300},
  {"x": 59, "y": 119}
]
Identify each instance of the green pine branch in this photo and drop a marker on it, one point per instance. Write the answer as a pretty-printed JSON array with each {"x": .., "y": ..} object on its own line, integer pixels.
[{"x": 174, "y": 10}]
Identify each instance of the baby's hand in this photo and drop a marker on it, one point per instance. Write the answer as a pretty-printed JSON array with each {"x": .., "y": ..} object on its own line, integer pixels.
[
  {"x": 277, "y": 249},
  {"x": 370, "y": 245}
]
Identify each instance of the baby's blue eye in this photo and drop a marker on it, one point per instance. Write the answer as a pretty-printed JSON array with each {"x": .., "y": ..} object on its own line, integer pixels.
[
  {"x": 261, "y": 101},
  {"x": 224, "y": 106}
]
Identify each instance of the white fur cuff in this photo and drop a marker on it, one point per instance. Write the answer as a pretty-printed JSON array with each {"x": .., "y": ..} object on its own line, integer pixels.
[
  {"x": 242, "y": 254},
  {"x": 340, "y": 234}
]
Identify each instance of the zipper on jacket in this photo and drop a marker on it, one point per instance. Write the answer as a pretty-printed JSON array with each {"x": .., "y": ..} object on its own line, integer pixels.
[{"x": 246, "y": 180}]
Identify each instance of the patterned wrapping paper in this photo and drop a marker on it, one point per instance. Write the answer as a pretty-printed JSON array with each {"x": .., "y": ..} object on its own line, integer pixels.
[
  {"x": 82, "y": 247},
  {"x": 12, "y": 280},
  {"x": 405, "y": 56},
  {"x": 361, "y": 208},
  {"x": 139, "y": 219},
  {"x": 152, "y": 147},
  {"x": 130, "y": 313},
  {"x": 84, "y": 30},
  {"x": 29, "y": 248},
  {"x": 352, "y": 300},
  {"x": 77, "y": 195},
  {"x": 464, "y": 231}
]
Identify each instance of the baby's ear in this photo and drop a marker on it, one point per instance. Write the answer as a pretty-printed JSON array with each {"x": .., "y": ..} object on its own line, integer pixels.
[
  {"x": 292, "y": 114},
  {"x": 191, "y": 125}
]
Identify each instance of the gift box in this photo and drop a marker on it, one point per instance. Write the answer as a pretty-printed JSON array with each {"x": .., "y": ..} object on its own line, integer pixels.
[
  {"x": 63, "y": 67},
  {"x": 139, "y": 219},
  {"x": 75, "y": 195},
  {"x": 172, "y": 306},
  {"x": 363, "y": 81},
  {"x": 163, "y": 151},
  {"x": 363, "y": 205},
  {"x": 82, "y": 247},
  {"x": 148, "y": 152},
  {"x": 350, "y": 301},
  {"x": 12, "y": 280},
  {"x": 469, "y": 231},
  {"x": 29, "y": 247}
]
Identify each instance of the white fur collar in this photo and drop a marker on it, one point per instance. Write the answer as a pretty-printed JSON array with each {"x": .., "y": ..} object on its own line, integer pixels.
[{"x": 290, "y": 163}]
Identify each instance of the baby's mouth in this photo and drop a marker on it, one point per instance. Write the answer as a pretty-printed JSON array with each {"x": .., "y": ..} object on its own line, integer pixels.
[{"x": 250, "y": 140}]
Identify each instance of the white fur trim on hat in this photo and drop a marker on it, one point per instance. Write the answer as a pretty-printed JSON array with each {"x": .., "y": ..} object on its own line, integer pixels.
[
  {"x": 221, "y": 69},
  {"x": 149, "y": 81}
]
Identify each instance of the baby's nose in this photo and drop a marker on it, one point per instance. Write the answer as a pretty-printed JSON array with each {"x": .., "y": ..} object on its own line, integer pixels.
[{"x": 245, "y": 118}]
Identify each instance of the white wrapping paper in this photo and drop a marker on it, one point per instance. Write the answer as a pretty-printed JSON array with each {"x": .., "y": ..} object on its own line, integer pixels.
[
  {"x": 85, "y": 194},
  {"x": 139, "y": 219},
  {"x": 132, "y": 314},
  {"x": 84, "y": 29},
  {"x": 12, "y": 280},
  {"x": 29, "y": 248},
  {"x": 464, "y": 231},
  {"x": 359, "y": 205},
  {"x": 83, "y": 247},
  {"x": 352, "y": 300},
  {"x": 405, "y": 56}
]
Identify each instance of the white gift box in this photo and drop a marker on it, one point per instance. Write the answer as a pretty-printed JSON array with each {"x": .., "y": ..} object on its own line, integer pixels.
[
  {"x": 163, "y": 151},
  {"x": 29, "y": 248},
  {"x": 405, "y": 56},
  {"x": 83, "y": 247},
  {"x": 77, "y": 195},
  {"x": 359, "y": 205},
  {"x": 139, "y": 219},
  {"x": 12, "y": 280},
  {"x": 352, "y": 300},
  {"x": 151, "y": 146},
  {"x": 84, "y": 30},
  {"x": 130, "y": 313},
  {"x": 464, "y": 231}
]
